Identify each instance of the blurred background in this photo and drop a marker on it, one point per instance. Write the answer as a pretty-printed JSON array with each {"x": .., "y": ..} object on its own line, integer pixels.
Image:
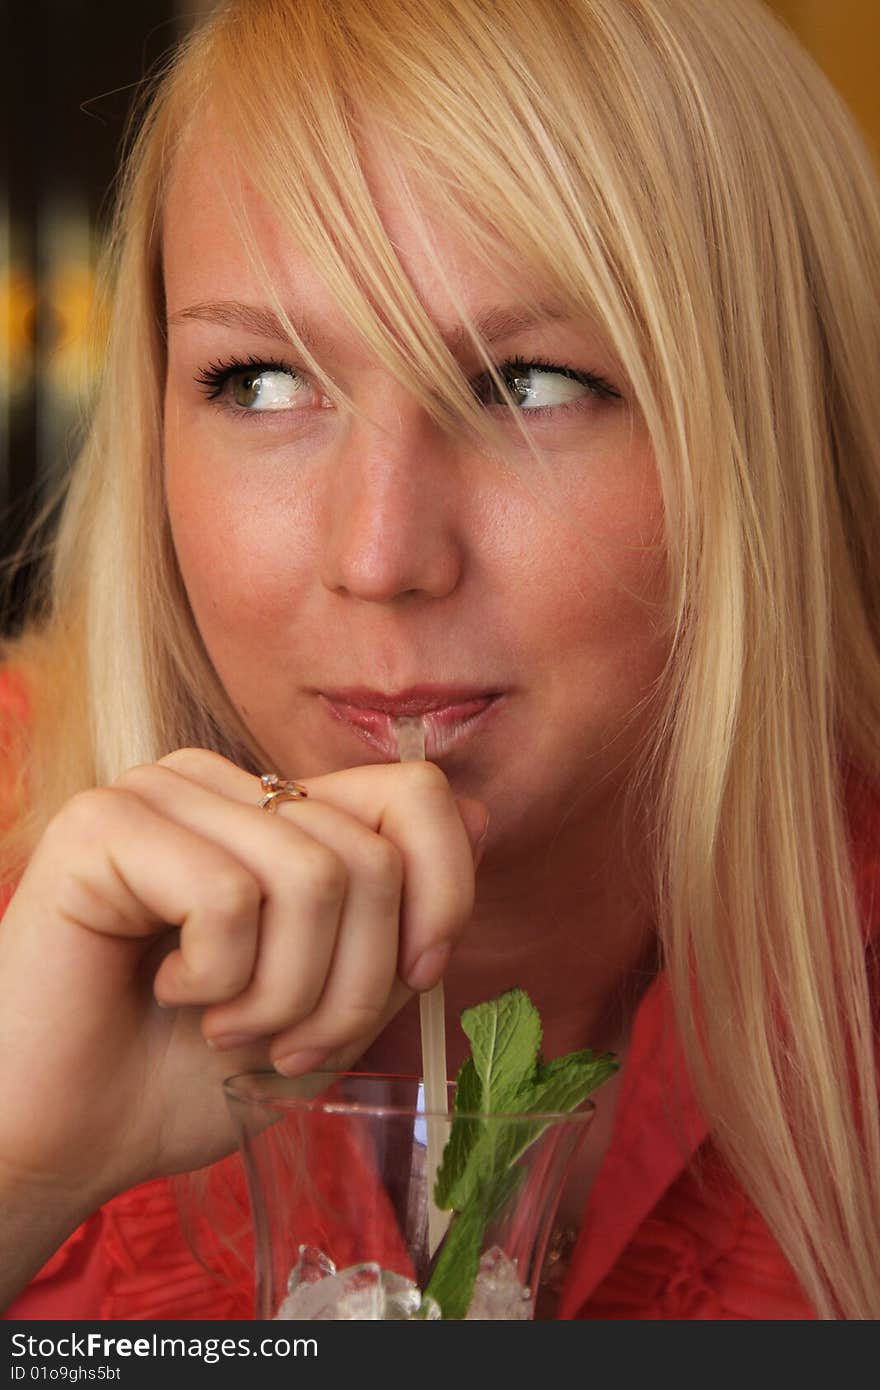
[
  {"x": 69, "y": 70},
  {"x": 73, "y": 68}
]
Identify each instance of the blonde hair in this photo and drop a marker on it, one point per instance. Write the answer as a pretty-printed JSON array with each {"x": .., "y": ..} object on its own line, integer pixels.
[{"x": 682, "y": 172}]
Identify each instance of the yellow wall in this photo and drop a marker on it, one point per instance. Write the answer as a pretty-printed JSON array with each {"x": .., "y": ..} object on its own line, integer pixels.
[{"x": 844, "y": 37}]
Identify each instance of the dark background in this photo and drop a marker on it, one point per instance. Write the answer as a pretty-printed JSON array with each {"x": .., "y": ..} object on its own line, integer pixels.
[{"x": 69, "y": 70}]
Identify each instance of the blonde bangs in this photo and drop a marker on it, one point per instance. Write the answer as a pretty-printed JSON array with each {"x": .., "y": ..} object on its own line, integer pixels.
[{"x": 314, "y": 97}]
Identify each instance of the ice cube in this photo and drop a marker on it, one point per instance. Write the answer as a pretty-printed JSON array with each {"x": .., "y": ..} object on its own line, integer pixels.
[
  {"x": 498, "y": 1294},
  {"x": 402, "y": 1297},
  {"x": 311, "y": 1266},
  {"x": 430, "y": 1309},
  {"x": 352, "y": 1295},
  {"x": 317, "y": 1291}
]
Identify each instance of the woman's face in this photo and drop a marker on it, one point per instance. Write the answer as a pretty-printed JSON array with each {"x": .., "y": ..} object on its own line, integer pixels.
[{"x": 341, "y": 568}]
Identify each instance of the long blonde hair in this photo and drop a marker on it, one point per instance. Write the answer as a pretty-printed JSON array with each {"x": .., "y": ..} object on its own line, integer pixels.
[{"x": 682, "y": 172}]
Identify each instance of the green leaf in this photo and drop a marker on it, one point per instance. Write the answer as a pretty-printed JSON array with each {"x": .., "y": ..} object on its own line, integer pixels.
[
  {"x": 603, "y": 1059},
  {"x": 477, "y": 1174},
  {"x": 570, "y": 1081},
  {"x": 464, "y": 1134},
  {"x": 505, "y": 1036},
  {"x": 562, "y": 1084},
  {"x": 452, "y": 1282},
  {"x": 457, "y": 1264}
]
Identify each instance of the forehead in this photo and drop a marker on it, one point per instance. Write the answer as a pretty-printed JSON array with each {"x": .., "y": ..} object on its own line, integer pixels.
[{"x": 215, "y": 219}]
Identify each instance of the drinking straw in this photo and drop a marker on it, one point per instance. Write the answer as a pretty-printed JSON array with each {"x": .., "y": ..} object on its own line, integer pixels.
[{"x": 432, "y": 1016}]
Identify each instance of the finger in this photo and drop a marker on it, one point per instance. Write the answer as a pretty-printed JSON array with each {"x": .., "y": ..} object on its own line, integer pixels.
[
  {"x": 351, "y": 790},
  {"x": 362, "y": 973},
  {"x": 311, "y": 1045},
  {"x": 411, "y": 805},
  {"x": 312, "y": 897},
  {"x": 359, "y": 974},
  {"x": 138, "y": 875}
]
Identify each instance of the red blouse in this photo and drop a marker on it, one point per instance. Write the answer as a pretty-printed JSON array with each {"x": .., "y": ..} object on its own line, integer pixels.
[{"x": 666, "y": 1234}]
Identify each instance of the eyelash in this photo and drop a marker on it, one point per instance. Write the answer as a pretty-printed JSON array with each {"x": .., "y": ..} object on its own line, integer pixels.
[
  {"x": 213, "y": 378},
  {"x": 595, "y": 384}
]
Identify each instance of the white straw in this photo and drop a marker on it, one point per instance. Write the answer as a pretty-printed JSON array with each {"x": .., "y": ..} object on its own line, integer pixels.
[{"x": 411, "y": 747}]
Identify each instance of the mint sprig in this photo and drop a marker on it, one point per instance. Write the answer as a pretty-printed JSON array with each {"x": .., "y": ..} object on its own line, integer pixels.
[{"x": 505, "y": 1074}]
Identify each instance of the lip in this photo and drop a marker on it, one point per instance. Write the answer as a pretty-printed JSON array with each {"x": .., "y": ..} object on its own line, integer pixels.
[{"x": 450, "y": 714}]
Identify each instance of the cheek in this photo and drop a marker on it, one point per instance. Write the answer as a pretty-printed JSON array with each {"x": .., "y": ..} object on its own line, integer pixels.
[
  {"x": 239, "y": 546},
  {"x": 603, "y": 569}
]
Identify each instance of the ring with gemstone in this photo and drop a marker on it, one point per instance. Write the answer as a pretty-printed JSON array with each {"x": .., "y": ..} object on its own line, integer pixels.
[{"x": 277, "y": 790}]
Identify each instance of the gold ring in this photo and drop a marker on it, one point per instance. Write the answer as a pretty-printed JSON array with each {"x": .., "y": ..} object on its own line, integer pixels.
[{"x": 276, "y": 790}]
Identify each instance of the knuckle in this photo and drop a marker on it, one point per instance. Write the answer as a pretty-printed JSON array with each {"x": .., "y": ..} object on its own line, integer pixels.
[
  {"x": 335, "y": 1028},
  {"x": 135, "y": 777},
  {"x": 209, "y": 979},
  {"x": 325, "y": 874},
  {"x": 275, "y": 1018},
  {"x": 359, "y": 1017},
  {"x": 88, "y": 813},
  {"x": 231, "y": 892},
  {"x": 227, "y": 983},
  {"x": 191, "y": 761},
  {"x": 381, "y": 864},
  {"x": 350, "y": 1022}
]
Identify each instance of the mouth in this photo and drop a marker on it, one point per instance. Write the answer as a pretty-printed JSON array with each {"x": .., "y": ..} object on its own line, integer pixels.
[{"x": 449, "y": 715}]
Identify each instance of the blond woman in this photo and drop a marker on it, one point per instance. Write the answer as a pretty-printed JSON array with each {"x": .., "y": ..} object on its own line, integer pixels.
[{"x": 510, "y": 365}]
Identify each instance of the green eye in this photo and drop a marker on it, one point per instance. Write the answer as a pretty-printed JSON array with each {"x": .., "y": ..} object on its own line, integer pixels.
[{"x": 254, "y": 387}]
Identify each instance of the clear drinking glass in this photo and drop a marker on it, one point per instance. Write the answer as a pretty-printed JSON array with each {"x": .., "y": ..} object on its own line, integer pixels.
[{"x": 336, "y": 1172}]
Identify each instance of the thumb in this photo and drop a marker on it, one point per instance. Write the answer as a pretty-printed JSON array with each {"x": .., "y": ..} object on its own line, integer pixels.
[{"x": 475, "y": 815}]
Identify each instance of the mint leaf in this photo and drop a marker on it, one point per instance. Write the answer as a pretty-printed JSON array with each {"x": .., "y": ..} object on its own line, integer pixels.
[
  {"x": 463, "y": 1136},
  {"x": 499, "y": 1145},
  {"x": 477, "y": 1174},
  {"x": 505, "y": 1036},
  {"x": 565, "y": 1082},
  {"x": 455, "y": 1271},
  {"x": 452, "y": 1282}
]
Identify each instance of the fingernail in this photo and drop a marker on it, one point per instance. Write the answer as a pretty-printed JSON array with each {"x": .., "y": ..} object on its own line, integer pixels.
[
  {"x": 429, "y": 968},
  {"x": 296, "y": 1063},
  {"x": 229, "y": 1040}
]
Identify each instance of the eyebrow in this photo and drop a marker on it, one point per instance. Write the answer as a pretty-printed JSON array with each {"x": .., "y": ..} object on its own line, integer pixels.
[{"x": 263, "y": 322}]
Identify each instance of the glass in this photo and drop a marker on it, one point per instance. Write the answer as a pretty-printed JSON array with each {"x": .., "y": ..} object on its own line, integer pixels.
[{"x": 336, "y": 1172}]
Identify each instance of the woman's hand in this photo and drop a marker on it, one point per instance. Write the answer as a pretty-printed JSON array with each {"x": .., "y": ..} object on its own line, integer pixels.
[{"x": 167, "y": 933}]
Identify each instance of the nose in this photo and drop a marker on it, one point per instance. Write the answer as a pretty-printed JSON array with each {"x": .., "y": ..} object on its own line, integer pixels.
[{"x": 391, "y": 516}]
